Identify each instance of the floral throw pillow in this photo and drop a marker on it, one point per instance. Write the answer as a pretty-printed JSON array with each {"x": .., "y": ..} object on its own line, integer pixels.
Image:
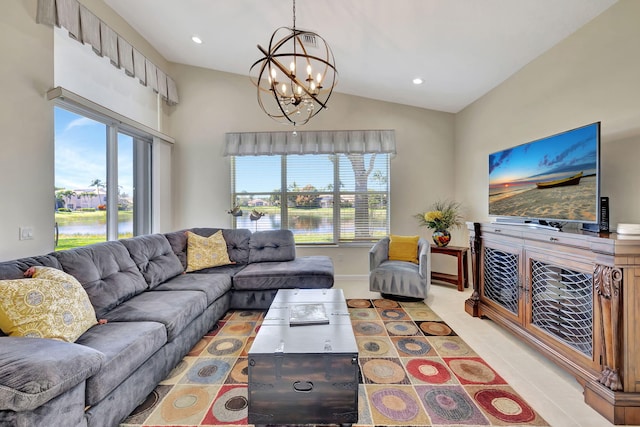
[
  {"x": 206, "y": 252},
  {"x": 51, "y": 304}
]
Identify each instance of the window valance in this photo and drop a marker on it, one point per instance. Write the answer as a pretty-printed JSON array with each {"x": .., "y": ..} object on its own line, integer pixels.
[
  {"x": 310, "y": 142},
  {"x": 87, "y": 28}
]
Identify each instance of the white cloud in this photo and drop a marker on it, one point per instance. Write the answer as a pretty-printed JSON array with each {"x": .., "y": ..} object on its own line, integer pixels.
[{"x": 82, "y": 121}]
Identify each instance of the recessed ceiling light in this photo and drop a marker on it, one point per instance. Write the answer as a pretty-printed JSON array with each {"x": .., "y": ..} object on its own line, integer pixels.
[
  {"x": 196, "y": 39},
  {"x": 417, "y": 81}
]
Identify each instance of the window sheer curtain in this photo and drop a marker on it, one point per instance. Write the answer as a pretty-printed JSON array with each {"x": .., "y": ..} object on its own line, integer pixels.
[
  {"x": 87, "y": 28},
  {"x": 310, "y": 142}
]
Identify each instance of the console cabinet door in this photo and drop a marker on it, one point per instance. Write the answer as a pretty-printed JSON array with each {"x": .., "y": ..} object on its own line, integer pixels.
[
  {"x": 575, "y": 297},
  {"x": 500, "y": 278},
  {"x": 559, "y": 297}
]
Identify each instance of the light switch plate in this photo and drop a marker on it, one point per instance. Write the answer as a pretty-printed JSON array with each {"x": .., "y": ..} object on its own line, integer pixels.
[{"x": 26, "y": 233}]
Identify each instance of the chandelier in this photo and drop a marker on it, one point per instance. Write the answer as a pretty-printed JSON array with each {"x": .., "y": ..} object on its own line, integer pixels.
[{"x": 294, "y": 82}]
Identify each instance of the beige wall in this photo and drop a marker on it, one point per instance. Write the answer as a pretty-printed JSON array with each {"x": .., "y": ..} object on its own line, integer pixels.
[
  {"x": 593, "y": 75},
  {"x": 26, "y": 125},
  {"x": 213, "y": 103},
  {"x": 26, "y": 119}
]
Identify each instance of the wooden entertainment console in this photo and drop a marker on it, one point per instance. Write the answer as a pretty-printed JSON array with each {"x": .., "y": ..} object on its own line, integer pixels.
[{"x": 574, "y": 296}]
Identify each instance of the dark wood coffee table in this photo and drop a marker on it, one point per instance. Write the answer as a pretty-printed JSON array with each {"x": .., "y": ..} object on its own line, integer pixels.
[{"x": 304, "y": 374}]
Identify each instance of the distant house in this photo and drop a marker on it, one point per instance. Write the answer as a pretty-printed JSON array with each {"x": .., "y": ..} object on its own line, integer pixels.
[
  {"x": 326, "y": 201},
  {"x": 257, "y": 202},
  {"x": 84, "y": 198}
]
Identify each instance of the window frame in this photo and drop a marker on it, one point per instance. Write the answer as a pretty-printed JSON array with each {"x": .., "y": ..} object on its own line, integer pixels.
[
  {"x": 337, "y": 192},
  {"x": 142, "y": 159}
]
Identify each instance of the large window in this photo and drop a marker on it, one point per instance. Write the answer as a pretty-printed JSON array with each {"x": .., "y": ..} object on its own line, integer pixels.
[
  {"x": 326, "y": 198},
  {"x": 102, "y": 178}
]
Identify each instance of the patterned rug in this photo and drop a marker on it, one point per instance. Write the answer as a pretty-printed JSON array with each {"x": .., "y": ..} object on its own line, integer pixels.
[{"x": 414, "y": 371}]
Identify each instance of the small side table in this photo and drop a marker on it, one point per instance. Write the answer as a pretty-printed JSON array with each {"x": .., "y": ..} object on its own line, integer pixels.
[{"x": 462, "y": 255}]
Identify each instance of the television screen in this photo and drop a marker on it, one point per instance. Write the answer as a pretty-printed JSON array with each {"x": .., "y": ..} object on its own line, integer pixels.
[{"x": 554, "y": 179}]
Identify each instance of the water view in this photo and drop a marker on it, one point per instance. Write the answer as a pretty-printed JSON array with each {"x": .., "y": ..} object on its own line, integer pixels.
[{"x": 314, "y": 224}]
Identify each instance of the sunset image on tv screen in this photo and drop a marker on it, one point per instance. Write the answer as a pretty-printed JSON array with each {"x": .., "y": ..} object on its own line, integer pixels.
[{"x": 555, "y": 178}]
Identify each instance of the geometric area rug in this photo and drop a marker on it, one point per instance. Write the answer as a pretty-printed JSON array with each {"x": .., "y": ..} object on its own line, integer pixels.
[{"x": 414, "y": 371}]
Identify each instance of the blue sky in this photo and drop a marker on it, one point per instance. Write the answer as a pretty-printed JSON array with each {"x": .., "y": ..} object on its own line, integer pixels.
[
  {"x": 80, "y": 158},
  {"x": 80, "y": 153},
  {"x": 262, "y": 173},
  {"x": 567, "y": 152}
]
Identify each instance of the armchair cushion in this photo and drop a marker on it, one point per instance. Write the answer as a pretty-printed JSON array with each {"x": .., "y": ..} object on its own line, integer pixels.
[{"x": 403, "y": 248}]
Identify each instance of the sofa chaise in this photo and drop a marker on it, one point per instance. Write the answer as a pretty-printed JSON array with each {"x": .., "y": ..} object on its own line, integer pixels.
[{"x": 155, "y": 313}]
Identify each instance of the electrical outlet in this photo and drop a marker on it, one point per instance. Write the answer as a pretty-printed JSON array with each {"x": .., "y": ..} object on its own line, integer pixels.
[{"x": 26, "y": 233}]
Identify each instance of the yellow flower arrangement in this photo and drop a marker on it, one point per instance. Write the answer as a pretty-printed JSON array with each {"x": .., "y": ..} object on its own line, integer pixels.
[{"x": 442, "y": 216}]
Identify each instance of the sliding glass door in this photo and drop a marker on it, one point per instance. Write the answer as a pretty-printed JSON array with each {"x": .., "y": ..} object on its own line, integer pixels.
[{"x": 102, "y": 178}]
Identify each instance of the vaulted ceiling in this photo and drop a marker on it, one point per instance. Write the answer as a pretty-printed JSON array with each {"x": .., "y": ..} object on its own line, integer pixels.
[{"x": 460, "y": 48}]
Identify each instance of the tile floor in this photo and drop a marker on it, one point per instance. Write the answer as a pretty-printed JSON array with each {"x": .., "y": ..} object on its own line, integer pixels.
[{"x": 553, "y": 393}]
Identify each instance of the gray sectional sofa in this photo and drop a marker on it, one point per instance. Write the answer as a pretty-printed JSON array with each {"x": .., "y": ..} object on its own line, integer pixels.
[{"x": 156, "y": 313}]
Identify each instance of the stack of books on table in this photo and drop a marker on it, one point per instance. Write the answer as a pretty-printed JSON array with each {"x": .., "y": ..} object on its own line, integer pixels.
[{"x": 308, "y": 314}]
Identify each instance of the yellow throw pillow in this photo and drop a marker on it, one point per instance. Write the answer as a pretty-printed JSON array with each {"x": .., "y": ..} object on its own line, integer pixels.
[
  {"x": 206, "y": 252},
  {"x": 403, "y": 248},
  {"x": 52, "y": 304}
]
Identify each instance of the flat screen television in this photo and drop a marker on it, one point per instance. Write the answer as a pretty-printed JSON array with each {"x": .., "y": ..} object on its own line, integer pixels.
[{"x": 552, "y": 180}]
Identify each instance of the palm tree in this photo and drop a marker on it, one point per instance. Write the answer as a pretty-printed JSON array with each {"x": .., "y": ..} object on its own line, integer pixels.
[
  {"x": 68, "y": 194},
  {"x": 60, "y": 203},
  {"x": 85, "y": 195},
  {"x": 98, "y": 184},
  {"x": 91, "y": 196}
]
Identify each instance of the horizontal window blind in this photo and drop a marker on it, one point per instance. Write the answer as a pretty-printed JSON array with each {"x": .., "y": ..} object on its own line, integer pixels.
[{"x": 322, "y": 198}]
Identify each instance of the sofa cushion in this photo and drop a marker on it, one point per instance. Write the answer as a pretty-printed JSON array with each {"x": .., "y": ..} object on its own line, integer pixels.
[
  {"x": 15, "y": 269},
  {"x": 272, "y": 245},
  {"x": 174, "y": 309},
  {"x": 126, "y": 346},
  {"x": 35, "y": 370},
  {"x": 106, "y": 271},
  {"x": 51, "y": 304},
  {"x": 206, "y": 252},
  {"x": 213, "y": 285},
  {"x": 303, "y": 272},
  {"x": 226, "y": 270},
  {"x": 154, "y": 257},
  {"x": 237, "y": 243}
]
